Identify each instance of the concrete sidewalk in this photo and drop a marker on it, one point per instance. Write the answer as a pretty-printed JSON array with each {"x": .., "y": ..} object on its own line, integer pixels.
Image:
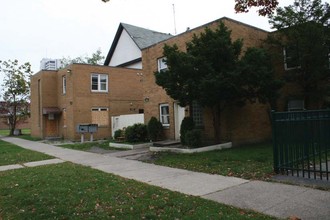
[{"x": 274, "y": 199}]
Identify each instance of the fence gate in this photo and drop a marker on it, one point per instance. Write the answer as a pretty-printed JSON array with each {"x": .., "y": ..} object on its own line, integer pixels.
[{"x": 301, "y": 143}]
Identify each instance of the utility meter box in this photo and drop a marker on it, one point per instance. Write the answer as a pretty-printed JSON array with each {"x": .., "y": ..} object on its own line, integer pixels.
[
  {"x": 82, "y": 128},
  {"x": 92, "y": 128}
]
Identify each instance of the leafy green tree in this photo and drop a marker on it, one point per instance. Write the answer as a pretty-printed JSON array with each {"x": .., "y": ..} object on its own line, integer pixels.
[
  {"x": 303, "y": 32},
  {"x": 212, "y": 73},
  {"x": 95, "y": 59},
  {"x": 15, "y": 91}
]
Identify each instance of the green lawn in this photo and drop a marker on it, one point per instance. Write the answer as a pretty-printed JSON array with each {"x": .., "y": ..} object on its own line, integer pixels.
[
  {"x": 248, "y": 162},
  {"x": 88, "y": 145},
  {"x": 68, "y": 191},
  {"x": 12, "y": 154},
  {"x": 5, "y": 132}
]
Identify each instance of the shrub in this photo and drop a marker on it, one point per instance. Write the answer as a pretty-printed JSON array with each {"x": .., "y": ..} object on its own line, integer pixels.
[
  {"x": 136, "y": 133},
  {"x": 155, "y": 129},
  {"x": 117, "y": 134},
  {"x": 193, "y": 138},
  {"x": 186, "y": 125}
]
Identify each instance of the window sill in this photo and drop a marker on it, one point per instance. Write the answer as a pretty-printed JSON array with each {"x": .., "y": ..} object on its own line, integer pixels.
[{"x": 95, "y": 91}]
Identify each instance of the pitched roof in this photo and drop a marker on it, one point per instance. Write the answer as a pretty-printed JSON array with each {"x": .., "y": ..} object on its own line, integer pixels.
[{"x": 142, "y": 37}]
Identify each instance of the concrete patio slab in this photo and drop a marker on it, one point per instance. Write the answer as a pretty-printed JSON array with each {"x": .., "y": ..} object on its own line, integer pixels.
[{"x": 274, "y": 199}]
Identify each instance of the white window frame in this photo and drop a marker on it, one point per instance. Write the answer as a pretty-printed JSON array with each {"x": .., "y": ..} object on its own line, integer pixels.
[
  {"x": 161, "y": 115},
  {"x": 64, "y": 85},
  {"x": 296, "y": 105},
  {"x": 100, "y": 109},
  {"x": 99, "y": 83},
  {"x": 161, "y": 65},
  {"x": 286, "y": 58}
]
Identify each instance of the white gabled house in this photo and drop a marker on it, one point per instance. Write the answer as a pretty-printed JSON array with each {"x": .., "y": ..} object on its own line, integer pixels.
[{"x": 127, "y": 46}]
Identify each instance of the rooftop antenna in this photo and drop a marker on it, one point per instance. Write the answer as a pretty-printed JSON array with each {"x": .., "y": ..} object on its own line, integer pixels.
[{"x": 174, "y": 19}]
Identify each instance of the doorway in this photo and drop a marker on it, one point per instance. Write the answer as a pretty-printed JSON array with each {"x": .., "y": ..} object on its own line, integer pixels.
[{"x": 179, "y": 114}]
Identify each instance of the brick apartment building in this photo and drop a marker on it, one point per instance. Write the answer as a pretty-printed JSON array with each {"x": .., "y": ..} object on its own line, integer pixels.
[
  {"x": 240, "y": 125},
  {"x": 126, "y": 85},
  {"x": 82, "y": 94}
]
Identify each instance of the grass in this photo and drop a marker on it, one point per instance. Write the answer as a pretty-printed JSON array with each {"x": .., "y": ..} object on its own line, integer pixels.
[
  {"x": 12, "y": 154},
  {"x": 88, "y": 145},
  {"x": 66, "y": 191},
  {"x": 248, "y": 162},
  {"x": 26, "y": 134},
  {"x": 5, "y": 132}
]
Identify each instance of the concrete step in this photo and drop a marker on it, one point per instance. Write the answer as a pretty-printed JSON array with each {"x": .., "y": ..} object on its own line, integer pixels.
[{"x": 166, "y": 143}]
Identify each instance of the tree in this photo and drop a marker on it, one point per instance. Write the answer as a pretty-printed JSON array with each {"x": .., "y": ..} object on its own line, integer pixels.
[
  {"x": 16, "y": 91},
  {"x": 212, "y": 73},
  {"x": 266, "y": 7},
  {"x": 95, "y": 59},
  {"x": 303, "y": 32}
]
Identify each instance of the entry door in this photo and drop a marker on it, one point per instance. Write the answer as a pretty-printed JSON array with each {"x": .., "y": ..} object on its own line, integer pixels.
[
  {"x": 179, "y": 113},
  {"x": 51, "y": 126}
]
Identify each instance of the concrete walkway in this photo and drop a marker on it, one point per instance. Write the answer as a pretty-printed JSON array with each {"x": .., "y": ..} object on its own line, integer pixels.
[{"x": 274, "y": 199}]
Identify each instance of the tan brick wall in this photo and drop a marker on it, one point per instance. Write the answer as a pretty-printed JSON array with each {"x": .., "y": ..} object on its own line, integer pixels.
[
  {"x": 240, "y": 125},
  {"x": 48, "y": 89},
  {"x": 124, "y": 96}
]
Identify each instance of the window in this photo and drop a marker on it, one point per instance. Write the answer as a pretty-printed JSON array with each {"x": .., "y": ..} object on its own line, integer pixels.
[
  {"x": 197, "y": 114},
  {"x": 291, "y": 57},
  {"x": 296, "y": 105},
  {"x": 100, "y": 116},
  {"x": 162, "y": 66},
  {"x": 164, "y": 115},
  {"x": 64, "y": 117},
  {"x": 99, "y": 82},
  {"x": 63, "y": 85}
]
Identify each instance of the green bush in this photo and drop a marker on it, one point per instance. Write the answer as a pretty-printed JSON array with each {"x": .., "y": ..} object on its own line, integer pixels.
[
  {"x": 193, "y": 138},
  {"x": 117, "y": 134},
  {"x": 136, "y": 133},
  {"x": 155, "y": 129},
  {"x": 186, "y": 125}
]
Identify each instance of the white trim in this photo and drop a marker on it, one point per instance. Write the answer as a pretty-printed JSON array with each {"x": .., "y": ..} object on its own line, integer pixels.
[
  {"x": 161, "y": 65},
  {"x": 99, "y": 109},
  {"x": 285, "y": 61},
  {"x": 99, "y": 83},
  {"x": 161, "y": 115},
  {"x": 64, "y": 84}
]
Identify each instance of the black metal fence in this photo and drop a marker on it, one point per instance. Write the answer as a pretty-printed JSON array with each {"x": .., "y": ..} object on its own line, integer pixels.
[{"x": 301, "y": 142}]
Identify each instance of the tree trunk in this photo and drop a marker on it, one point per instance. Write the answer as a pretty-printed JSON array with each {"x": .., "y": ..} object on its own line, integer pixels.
[{"x": 216, "y": 113}]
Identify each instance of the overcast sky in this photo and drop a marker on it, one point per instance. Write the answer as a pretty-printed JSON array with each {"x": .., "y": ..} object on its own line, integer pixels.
[{"x": 36, "y": 29}]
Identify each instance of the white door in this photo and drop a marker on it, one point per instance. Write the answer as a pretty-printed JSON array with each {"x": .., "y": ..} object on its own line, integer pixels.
[{"x": 179, "y": 113}]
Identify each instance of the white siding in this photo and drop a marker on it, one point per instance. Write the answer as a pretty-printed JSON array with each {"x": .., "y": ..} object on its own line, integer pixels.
[
  {"x": 121, "y": 121},
  {"x": 125, "y": 51}
]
